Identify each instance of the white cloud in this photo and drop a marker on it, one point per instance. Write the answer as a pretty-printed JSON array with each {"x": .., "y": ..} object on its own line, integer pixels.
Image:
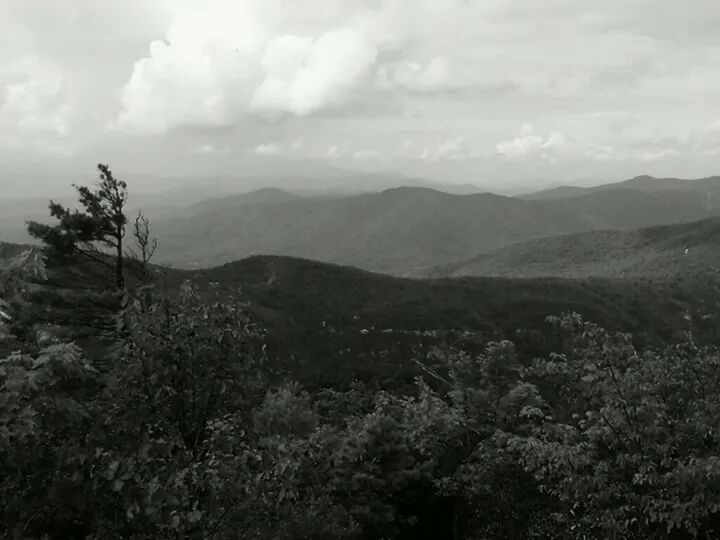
[
  {"x": 643, "y": 151},
  {"x": 453, "y": 149},
  {"x": 267, "y": 149},
  {"x": 530, "y": 144},
  {"x": 232, "y": 59},
  {"x": 601, "y": 153},
  {"x": 198, "y": 75},
  {"x": 34, "y": 107},
  {"x": 228, "y": 59},
  {"x": 658, "y": 155},
  {"x": 209, "y": 150},
  {"x": 32, "y": 98},
  {"x": 553, "y": 147},
  {"x": 334, "y": 152},
  {"x": 304, "y": 75},
  {"x": 153, "y": 101}
]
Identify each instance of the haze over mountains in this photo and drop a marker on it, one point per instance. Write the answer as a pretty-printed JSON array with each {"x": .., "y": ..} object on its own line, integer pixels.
[
  {"x": 161, "y": 197},
  {"x": 404, "y": 230},
  {"x": 708, "y": 187},
  {"x": 410, "y": 230}
]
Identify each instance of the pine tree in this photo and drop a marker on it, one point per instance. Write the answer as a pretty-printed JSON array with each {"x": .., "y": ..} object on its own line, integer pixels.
[
  {"x": 85, "y": 258},
  {"x": 95, "y": 233}
]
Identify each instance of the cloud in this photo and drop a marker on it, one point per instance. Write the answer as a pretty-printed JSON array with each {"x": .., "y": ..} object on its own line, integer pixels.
[
  {"x": 34, "y": 107},
  {"x": 602, "y": 79},
  {"x": 232, "y": 59},
  {"x": 267, "y": 150},
  {"x": 555, "y": 147},
  {"x": 178, "y": 85},
  {"x": 209, "y": 150},
  {"x": 453, "y": 149},
  {"x": 530, "y": 144},
  {"x": 220, "y": 63},
  {"x": 197, "y": 76},
  {"x": 658, "y": 155},
  {"x": 638, "y": 154},
  {"x": 334, "y": 152},
  {"x": 304, "y": 75}
]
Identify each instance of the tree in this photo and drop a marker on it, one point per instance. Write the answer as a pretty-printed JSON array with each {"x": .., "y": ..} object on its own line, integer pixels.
[
  {"x": 45, "y": 418},
  {"x": 628, "y": 440},
  {"x": 90, "y": 233},
  {"x": 146, "y": 245}
]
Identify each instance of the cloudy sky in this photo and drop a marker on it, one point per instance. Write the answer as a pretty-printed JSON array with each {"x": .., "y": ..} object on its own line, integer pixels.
[{"x": 495, "y": 92}]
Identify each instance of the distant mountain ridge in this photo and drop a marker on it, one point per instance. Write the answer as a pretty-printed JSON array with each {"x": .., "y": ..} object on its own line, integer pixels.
[
  {"x": 708, "y": 186},
  {"x": 404, "y": 229},
  {"x": 400, "y": 230}
]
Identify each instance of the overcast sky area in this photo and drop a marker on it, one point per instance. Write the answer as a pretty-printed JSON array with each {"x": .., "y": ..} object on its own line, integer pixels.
[{"x": 494, "y": 92}]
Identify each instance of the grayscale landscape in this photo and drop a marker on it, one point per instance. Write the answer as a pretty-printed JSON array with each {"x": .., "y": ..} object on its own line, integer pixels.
[{"x": 358, "y": 270}]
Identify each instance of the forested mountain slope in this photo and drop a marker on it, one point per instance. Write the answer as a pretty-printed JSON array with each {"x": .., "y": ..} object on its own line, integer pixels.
[
  {"x": 689, "y": 251},
  {"x": 401, "y": 230}
]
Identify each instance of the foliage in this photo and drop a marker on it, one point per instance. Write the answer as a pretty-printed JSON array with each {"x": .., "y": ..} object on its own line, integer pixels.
[
  {"x": 45, "y": 414},
  {"x": 187, "y": 432},
  {"x": 630, "y": 441}
]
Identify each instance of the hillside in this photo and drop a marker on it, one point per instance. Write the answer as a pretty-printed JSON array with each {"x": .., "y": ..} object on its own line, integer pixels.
[
  {"x": 335, "y": 323},
  {"x": 330, "y": 324},
  {"x": 684, "y": 251},
  {"x": 404, "y": 229}
]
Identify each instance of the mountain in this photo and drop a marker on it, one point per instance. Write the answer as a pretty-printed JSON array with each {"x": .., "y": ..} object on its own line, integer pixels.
[
  {"x": 627, "y": 208},
  {"x": 685, "y": 251},
  {"x": 163, "y": 198},
  {"x": 229, "y": 202},
  {"x": 401, "y": 230},
  {"x": 706, "y": 189}
]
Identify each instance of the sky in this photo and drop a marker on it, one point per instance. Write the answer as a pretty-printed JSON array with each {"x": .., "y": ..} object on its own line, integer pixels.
[{"x": 499, "y": 93}]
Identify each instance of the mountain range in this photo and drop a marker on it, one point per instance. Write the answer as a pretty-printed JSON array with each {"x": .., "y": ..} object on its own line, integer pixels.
[
  {"x": 707, "y": 188},
  {"x": 405, "y": 230}
]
